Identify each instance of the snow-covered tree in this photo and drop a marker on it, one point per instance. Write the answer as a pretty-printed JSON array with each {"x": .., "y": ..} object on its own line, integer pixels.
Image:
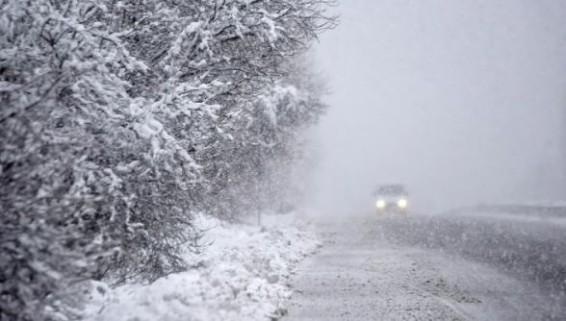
[{"x": 120, "y": 119}]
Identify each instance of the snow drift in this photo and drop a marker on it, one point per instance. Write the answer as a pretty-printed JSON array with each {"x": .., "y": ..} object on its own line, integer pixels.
[{"x": 242, "y": 274}]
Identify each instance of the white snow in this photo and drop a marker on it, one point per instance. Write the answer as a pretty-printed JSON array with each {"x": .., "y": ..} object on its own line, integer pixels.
[
  {"x": 556, "y": 221},
  {"x": 243, "y": 275}
]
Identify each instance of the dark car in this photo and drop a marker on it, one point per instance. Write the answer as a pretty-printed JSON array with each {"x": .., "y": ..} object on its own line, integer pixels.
[{"x": 391, "y": 198}]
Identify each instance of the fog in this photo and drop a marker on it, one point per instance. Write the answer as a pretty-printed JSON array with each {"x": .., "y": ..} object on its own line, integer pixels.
[{"x": 464, "y": 102}]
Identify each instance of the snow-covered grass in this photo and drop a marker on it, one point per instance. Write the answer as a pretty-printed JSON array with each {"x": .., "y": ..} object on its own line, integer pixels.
[{"x": 243, "y": 275}]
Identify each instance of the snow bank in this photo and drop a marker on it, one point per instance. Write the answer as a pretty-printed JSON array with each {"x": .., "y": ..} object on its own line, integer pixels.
[{"x": 244, "y": 275}]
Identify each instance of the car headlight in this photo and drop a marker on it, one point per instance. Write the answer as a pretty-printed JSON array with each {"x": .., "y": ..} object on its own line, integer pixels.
[
  {"x": 380, "y": 204},
  {"x": 402, "y": 203}
]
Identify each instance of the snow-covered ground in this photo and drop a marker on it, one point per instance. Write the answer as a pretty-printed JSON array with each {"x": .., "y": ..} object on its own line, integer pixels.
[
  {"x": 244, "y": 276},
  {"x": 391, "y": 269}
]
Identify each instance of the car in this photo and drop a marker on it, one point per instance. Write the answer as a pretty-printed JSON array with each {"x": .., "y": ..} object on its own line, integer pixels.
[{"x": 391, "y": 198}]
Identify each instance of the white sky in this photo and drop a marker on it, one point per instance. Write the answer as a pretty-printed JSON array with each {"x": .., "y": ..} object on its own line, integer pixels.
[{"x": 463, "y": 101}]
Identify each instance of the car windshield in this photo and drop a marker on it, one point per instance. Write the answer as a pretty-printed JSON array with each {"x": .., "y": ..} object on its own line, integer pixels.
[{"x": 391, "y": 190}]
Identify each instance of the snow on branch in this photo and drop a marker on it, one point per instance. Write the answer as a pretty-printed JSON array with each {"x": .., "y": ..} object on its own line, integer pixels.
[{"x": 120, "y": 119}]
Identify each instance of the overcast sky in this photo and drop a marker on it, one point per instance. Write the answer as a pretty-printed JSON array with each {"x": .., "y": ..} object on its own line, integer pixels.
[{"x": 463, "y": 101}]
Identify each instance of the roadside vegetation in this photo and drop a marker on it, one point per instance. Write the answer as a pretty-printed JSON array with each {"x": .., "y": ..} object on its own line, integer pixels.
[{"x": 122, "y": 120}]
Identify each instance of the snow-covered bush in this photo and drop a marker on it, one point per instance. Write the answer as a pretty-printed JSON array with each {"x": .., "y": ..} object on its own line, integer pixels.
[{"x": 121, "y": 118}]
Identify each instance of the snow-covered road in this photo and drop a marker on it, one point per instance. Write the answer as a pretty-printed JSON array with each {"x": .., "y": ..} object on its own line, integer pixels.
[{"x": 424, "y": 268}]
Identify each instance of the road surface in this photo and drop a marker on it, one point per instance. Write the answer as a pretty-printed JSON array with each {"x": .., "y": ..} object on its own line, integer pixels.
[{"x": 434, "y": 268}]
